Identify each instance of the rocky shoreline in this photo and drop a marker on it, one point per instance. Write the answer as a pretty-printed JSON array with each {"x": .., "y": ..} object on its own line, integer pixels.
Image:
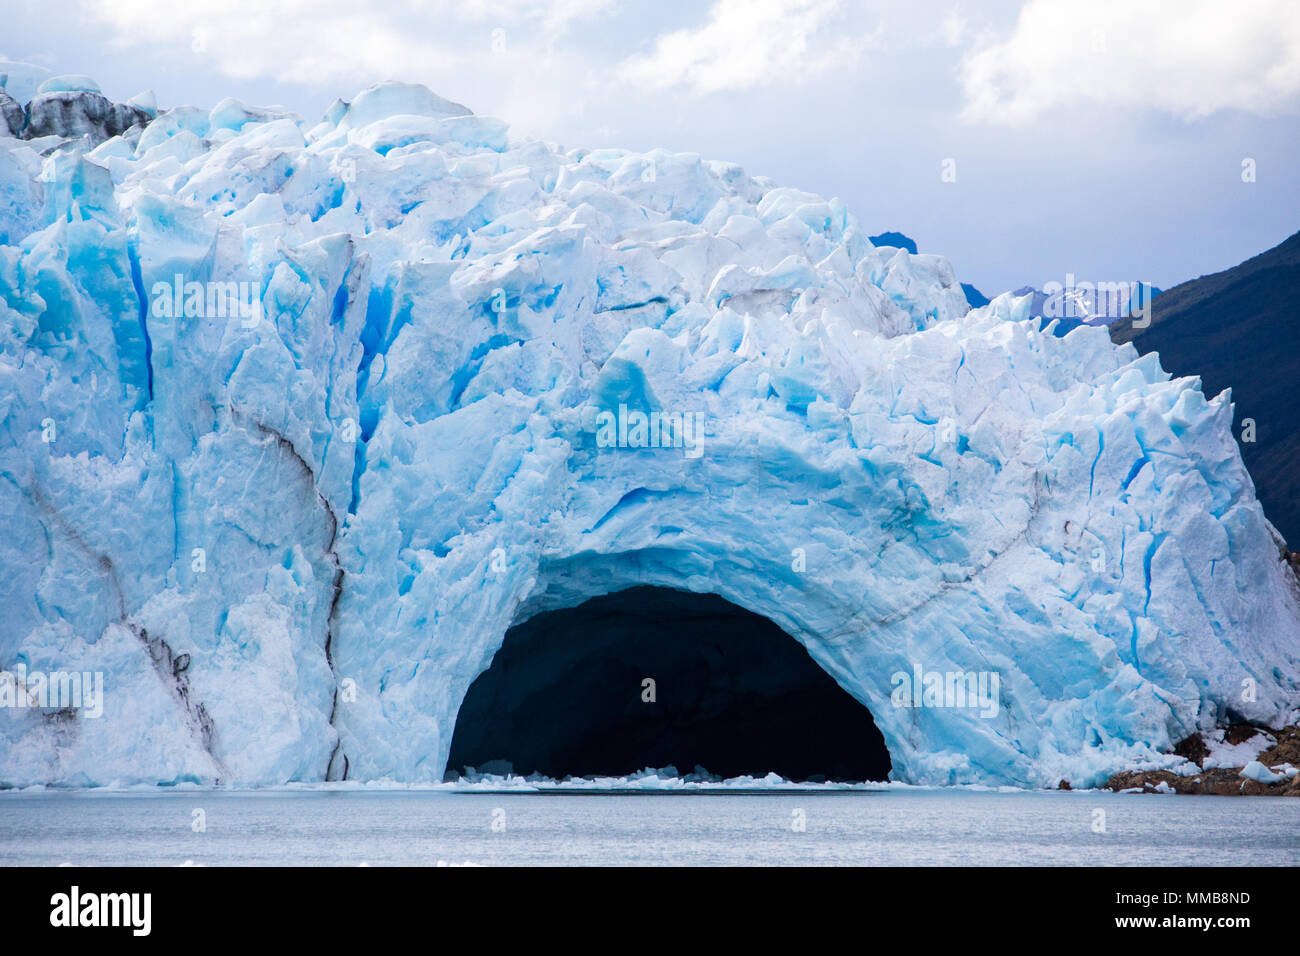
[{"x": 1271, "y": 773}]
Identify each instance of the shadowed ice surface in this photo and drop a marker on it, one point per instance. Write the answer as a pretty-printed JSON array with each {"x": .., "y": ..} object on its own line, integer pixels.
[
  {"x": 872, "y": 828},
  {"x": 733, "y": 693}
]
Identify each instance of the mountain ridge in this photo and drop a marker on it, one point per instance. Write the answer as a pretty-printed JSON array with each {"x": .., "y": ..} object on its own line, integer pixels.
[{"x": 1236, "y": 329}]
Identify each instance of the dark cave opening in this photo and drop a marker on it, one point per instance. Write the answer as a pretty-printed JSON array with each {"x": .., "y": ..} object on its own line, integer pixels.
[{"x": 732, "y": 693}]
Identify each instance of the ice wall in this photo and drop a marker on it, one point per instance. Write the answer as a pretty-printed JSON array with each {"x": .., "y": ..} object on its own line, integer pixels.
[{"x": 290, "y": 515}]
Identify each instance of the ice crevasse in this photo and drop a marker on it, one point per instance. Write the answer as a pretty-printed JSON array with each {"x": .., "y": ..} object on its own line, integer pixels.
[{"x": 292, "y": 532}]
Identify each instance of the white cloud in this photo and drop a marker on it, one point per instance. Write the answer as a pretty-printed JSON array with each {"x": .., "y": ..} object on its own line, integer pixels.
[
  {"x": 318, "y": 42},
  {"x": 744, "y": 44},
  {"x": 1187, "y": 57},
  {"x": 555, "y": 16},
  {"x": 952, "y": 29}
]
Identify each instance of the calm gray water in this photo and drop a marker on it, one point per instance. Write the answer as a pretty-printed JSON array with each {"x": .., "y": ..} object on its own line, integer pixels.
[{"x": 872, "y": 828}]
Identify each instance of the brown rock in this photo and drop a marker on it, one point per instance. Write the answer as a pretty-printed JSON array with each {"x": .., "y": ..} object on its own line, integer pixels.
[
  {"x": 1240, "y": 733},
  {"x": 1222, "y": 781},
  {"x": 1286, "y": 750},
  {"x": 1193, "y": 748}
]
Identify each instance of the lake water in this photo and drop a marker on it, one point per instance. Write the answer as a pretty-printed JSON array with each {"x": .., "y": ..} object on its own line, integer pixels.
[{"x": 337, "y": 826}]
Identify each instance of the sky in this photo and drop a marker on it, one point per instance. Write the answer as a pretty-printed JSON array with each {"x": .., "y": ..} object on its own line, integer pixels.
[{"x": 1026, "y": 140}]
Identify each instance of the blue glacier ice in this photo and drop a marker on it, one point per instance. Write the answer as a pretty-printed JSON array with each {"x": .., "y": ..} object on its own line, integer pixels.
[{"x": 291, "y": 517}]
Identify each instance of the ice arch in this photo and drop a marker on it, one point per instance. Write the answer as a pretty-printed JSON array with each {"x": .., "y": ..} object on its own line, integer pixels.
[
  {"x": 294, "y": 546},
  {"x": 653, "y": 677}
]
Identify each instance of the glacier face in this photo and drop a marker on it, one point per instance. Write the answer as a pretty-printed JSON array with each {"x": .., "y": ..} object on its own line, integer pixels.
[{"x": 291, "y": 517}]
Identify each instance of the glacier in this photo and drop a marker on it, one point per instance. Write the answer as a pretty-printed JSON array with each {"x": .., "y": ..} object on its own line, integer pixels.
[{"x": 291, "y": 525}]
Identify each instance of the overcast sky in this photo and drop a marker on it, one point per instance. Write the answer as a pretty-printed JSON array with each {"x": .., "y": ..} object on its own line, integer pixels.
[{"x": 1104, "y": 139}]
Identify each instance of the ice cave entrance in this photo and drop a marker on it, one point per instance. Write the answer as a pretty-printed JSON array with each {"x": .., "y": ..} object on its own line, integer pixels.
[{"x": 569, "y": 693}]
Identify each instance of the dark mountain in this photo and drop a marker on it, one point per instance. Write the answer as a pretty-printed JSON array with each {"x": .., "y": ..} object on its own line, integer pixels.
[
  {"x": 1240, "y": 329},
  {"x": 974, "y": 296},
  {"x": 895, "y": 239}
]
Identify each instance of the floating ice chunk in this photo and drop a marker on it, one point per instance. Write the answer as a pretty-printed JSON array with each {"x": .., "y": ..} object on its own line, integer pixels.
[{"x": 1260, "y": 774}]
